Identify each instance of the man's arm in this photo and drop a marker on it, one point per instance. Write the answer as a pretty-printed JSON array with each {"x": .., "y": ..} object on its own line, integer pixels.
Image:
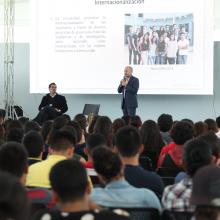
[
  {"x": 43, "y": 103},
  {"x": 133, "y": 88},
  {"x": 63, "y": 106}
]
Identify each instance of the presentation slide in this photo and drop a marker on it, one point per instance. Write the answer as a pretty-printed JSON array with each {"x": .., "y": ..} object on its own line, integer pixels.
[{"x": 83, "y": 46}]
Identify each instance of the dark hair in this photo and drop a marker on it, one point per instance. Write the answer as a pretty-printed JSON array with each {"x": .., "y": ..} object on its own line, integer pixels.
[
  {"x": 14, "y": 203},
  {"x": 2, "y": 113},
  {"x": 68, "y": 118},
  {"x": 69, "y": 180},
  {"x": 127, "y": 119},
  {"x": 52, "y": 84},
  {"x": 77, "y": 128},
  {"x": 218, "y": 121},
  {"x": 81, "y": 119},
  {"x": 95, "y": 140},
  {"x": 128, "y": 141},
  {"x": 200, "y": 128},
  {"x": 31, "y": 126},
  {"x": 151, "y": 137},
  {"x": 197, "y": 153},
  {"x": 165, "y": 122},
  {"x": 212, "y": 125},
  {"x": 181, "y": 132},
  {"x": 106, "y": 163},
  {"x": 92, "y": 124},
  {"x": 13, "y": 158},
  {"x": 188, "y": 120},
  {"x": 206, "y": 213},
  {"x": 33, "y": 143},
  {"x": 213, "y": 141},
  {"x": 117, "y": 123},
  {"x": 59, "y": 122},
  {"x": 15, "y": 134},
  {"x": 103, "y": 126},
  {"x": 61, "y": 140},
  {"x": 23, "y": 120},
  {"x": 136, "y": 121},
  {"x": 11, "y": 124}
]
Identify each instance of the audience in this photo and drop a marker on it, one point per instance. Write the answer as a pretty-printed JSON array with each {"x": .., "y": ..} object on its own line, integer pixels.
[
  {"x": 128, "y": 144},
  {"x": 118, "y": 192},
  {"x": 218, "y": 126},
  {"x": 200, "y": 128}
]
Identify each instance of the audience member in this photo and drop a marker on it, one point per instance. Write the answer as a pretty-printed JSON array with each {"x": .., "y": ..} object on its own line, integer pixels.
[
  {"x": 128, "y": 144},
  {"x": 34, "y": 145},
  {"x": 117, "y": 124},
  {"x": 206, "y": 193},
  {"x": 61, "y": 148},
  {"x": 152, "y": 140},
  {"x": 200, "y": 128},
  {"x": 165, "y": 122},
  {"x": 212, "y": 125},
  {"x": 31, "y": 126},
  {"x": 136, "y": 121},
  {"x": 197, "y": 153},
  {"x": 218, "y": 126},
  {"x": 118, "y": 192}
]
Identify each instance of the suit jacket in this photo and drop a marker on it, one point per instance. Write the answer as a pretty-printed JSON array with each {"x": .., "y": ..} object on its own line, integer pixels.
[
  {"x": 59, "y": 102},
  {"x": 130, "y": 92}
]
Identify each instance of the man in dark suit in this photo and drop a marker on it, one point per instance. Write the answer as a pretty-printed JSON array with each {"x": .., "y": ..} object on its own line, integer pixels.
[
  {"x": 51, "y": 106},
  {"x": 129, "y": 86}
]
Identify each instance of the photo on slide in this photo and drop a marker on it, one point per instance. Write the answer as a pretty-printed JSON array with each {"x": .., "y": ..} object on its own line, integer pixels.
[{"x": 159, "y": 39}]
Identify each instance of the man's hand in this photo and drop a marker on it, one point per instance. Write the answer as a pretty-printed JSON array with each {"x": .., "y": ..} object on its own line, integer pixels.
[{"x": 58, "y": 110}]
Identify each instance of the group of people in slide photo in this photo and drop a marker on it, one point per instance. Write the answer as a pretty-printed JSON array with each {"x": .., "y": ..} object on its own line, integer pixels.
[{"x": 168, "y": 44}]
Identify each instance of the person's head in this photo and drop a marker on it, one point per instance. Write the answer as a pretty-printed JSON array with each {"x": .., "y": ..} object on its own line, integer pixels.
[
  {"x": 206, "y": 185},
  {"x": 161, "y": 38},
  {"x": 181, "y": 132},
  {"x": 59, "y": 122},
  {"x": 23, "y": 120},
  {"x": 172, "y": 37},
  {"x": 136, "y": 121},
  {"x": 127, "y": 119},
  {"x": 182, "y": 36},
  {"x": 197, "y": 153},
  {"x": 165, "y": 35},
  {"x": 107, "y": 164},
  {"x": 212, "y": 125},
  {"x": 214, "y": 144},
  {"x": 128, "y": 71},
  {"x": 200, "y": 128},
  {"x": 14, "y": 203},
  {"x": 2, "y": 116},
  {"x": 103, "y": 126},
  {"x": 128, "y": 141},
  {"x": 34, "y": 144},
  {"x": 52, "y": 88},
  {"x": 151, "y": 137},
  {"x": 11, "y": 124},
  {"x": 31, "y": 126},
  {"x": 63, "y": 143},
  {"x": 15, "y": 134},
  {"x": 78, "y": 130},
  {"x": 131, "y": 29},
  {"x": 93, "y": 141},
  {"x": 69, "y": 181},
  {"x": 13, "y": 159},
  {"x": 146, "y": 37},
  {"x": 81, "y": 119},
  {"x": 117, "y": 123},
  {"x": 165, "y": 122}
]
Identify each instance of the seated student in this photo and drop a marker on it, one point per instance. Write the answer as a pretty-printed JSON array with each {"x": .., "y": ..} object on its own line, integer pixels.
[
  {"x": 197, "y": 153},
  {"x": 61, "y": 148},
  {"x": 165, "y": 122},
  {"x": 34, "y": 145},
  {"x": 172, "y": 156},
  {"x": 118, "y": 192},
  {"x": 206, "y": 193},
  {"x": 128, "y": 144},
  {"x": 13, "y": 159},
  {"x": 73, "y": 195},
  {"x": 31, "y": 126},
  {"x": 14, "y": 201}
]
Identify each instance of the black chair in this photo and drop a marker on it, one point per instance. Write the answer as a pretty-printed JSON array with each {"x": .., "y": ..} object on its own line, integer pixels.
[
  {"x": 140, "y": 213},
  {"x": 91, "y": 109},
  {"x": 174, "y": 215}
]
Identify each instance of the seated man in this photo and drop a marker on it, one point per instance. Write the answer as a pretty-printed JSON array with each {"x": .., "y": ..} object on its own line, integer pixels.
[
  {"x": 73, "y": 195},
  {"x": 118, "y": 192},
  {"x": 51, "y": 106}
]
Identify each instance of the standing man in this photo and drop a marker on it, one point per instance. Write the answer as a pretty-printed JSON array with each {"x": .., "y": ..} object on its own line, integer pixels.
[
  {"x": 51, "y": 106},
  {"x": 129, "y": 86}
]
